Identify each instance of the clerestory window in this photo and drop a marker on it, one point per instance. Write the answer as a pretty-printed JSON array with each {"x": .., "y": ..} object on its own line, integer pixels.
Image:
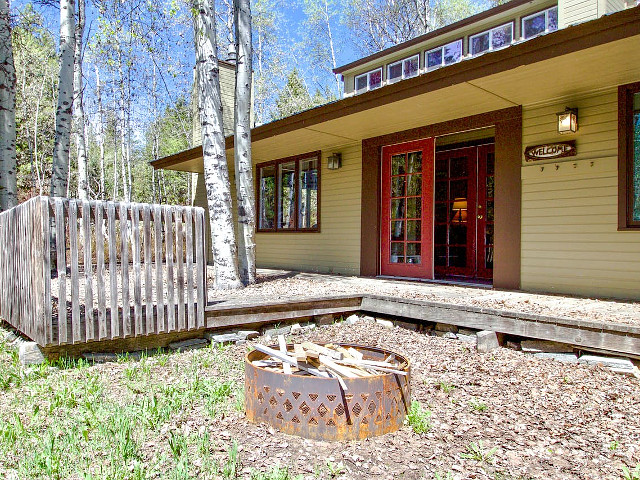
[
  {"x": 368, "y": 81},
  {"x": 443, "y": 55},
  {"x": 407, "y": 68},
  {"x": 541, "y": 22},
  {"x": 493, "y": 39}
]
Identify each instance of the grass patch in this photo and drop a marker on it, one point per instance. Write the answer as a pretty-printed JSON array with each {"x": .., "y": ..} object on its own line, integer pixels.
[{"x": 419, "y": 419}]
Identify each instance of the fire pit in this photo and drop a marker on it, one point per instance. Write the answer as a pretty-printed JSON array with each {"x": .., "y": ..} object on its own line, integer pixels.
[{"x": 328, "y": 408}]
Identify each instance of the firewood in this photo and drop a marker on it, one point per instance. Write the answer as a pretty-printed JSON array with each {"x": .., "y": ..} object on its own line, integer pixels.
[
  {"x": 322, "y": 350},
  {"x": 283, "y": 348},
  {"x": 286, "y": 358}
]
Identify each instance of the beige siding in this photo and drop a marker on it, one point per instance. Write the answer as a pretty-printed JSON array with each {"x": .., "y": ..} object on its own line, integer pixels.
[
  {"x": 227, "y": 91},
  {"x": 571, "y": 12},
  {"x": 570, "y": 242},
  {"x": 336, "y": 248}
]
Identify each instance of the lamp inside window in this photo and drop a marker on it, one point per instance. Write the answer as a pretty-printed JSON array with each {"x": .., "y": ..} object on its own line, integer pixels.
[
  {"x": 459, "y": 208},
  {"x": 568, "y": 121}
]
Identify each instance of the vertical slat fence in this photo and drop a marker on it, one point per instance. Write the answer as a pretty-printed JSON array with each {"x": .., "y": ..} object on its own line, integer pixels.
[{"x": 82, "y": 271}]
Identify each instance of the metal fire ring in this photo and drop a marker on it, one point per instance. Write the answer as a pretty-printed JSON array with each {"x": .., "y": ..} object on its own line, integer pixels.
[{"x": 317, "y": 408}]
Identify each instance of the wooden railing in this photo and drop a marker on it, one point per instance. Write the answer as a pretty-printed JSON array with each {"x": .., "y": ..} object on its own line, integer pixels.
[{"x": 73, "y": 271}]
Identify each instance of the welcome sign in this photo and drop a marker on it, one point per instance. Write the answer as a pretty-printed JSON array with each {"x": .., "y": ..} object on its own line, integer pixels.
[{"x": 550, "y": 151}]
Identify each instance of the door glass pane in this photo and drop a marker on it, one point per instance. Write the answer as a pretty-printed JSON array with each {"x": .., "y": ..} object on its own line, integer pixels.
[
  {"x": 488, "y": 239},
  {"x": 489, "y": 211},
  {"x": 397, "y": 208},
  {"x": 267, "y": 194},
  {"x": 441, "y": 191},
  {"x": 458, "y": 234},
  {"x": 415, "y": 185},
  {"x": 490, "y": 184},
  {"x": 308, "y": 198},
  {"x": 459, "y": 167},
  {"x": 413, "y": 230},
  {"x": 397, "y": 186},
  {"x": 440, "y": 254},
  {"x": 490, "y": 163},
  {"x": 441, "y": 212},
  {"x": 414, "y": 207},
  {"x": 441, "y": 168},
  {"x": 397, "y": 230},
  {"x": 440, "y": 234},
  {"x": 415, "y": 162},
  {"x": 459, "y": 189},
  {"x": 398, "y": 165},
  {"x": 286, "y": 206},
  {"x": 488, "y": 257},
  {"x": 413, "y": 253},
  {"x": 457, "y": 256},
  {"x": 397, "y": 252}
]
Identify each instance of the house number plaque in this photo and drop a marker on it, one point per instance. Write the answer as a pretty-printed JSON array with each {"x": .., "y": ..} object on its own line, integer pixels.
[{"x": 550, "y": 151}]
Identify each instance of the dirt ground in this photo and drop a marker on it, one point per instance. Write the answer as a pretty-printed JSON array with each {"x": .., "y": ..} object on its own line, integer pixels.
[
  {"x": 274, "y": 285},
  {"x": 545, "y": 419}
]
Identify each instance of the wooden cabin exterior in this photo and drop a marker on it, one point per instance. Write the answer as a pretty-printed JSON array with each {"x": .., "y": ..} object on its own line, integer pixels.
[{"x": 420, "y": 170}]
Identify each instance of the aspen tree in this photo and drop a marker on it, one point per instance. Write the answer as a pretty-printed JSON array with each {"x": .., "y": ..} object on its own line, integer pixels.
[{"x": 8, "y": 190}]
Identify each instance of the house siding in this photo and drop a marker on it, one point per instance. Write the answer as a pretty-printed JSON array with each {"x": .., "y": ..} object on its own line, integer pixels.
[
  {"x": 570, "y": 242},
  {"x": 336, "y": 248}
]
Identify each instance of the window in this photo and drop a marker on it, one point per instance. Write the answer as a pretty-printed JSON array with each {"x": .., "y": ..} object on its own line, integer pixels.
[
  {"x": 629, "y": 156},
  {"x": 368, "y": 81},
  {"x": 289, "y": 194},
  {"x": 541, "y": 22},
  {"x": 406, "y": 68},
  {"x": 493, "y": 39},
  {"x": 445, "y": 55}
]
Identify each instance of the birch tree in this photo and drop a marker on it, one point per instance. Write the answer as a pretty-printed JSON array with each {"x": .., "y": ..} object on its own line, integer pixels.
[
  {"x": 320, "y": 33},
  {"x": 78, "y": 108},
  {"x": 64, "y": 110},
  {"x": 8, "y": 188},
  {"x": 216, "y": 174},
  {"x": 242, "y": 144}
]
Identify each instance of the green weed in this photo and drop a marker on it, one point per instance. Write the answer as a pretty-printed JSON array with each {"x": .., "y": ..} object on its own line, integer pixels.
[
  {"x": 446, "y": 387},
  {"x": 631, "y": 474},
  {"x": 477, "y": 452},
  {"x": 335, "y": 470},
  {"x": 478, "y": 406},
  {"x": 418, "y": 418},
  {"x": 276, "y": 473}
]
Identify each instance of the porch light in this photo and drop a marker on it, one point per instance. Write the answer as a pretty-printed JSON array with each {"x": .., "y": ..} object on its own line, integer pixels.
[
  {"x": 460, "y": 209},
  {"x": 568, "y": 120},
  {"x": 334, "y": 161}
]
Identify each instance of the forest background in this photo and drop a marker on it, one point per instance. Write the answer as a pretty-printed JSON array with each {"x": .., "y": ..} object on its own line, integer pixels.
[{"x": 138, "y": 64}]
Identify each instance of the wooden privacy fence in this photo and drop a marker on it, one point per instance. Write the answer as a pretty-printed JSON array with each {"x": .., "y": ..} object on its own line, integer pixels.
[{"x": 80, "y": 271}]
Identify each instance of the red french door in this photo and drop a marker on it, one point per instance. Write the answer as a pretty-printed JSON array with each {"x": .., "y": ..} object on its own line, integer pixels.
[
  {"x": 464, "y": 212},
  {"x": 407, "y": 209}
]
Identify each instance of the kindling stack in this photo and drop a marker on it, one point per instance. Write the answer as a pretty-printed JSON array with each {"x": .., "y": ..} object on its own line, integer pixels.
[{"x": 328, "y": 361}]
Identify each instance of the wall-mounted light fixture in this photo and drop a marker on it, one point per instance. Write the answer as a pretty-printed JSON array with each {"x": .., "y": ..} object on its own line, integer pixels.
[
  {"x": 334, "y": 161},
  {"x": 568, "y": 120}
]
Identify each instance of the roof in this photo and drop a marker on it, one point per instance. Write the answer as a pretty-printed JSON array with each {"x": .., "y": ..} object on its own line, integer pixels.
[
  {"x": 602, "y": 31},
  {"x": 433, "y": 34}
]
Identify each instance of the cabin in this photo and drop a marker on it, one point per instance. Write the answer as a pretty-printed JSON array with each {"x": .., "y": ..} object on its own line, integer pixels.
[{"x": 501, "y": 150}]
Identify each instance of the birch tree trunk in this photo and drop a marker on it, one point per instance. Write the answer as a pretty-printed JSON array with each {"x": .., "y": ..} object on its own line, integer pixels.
[
  {"x": 216, "y": 174},
  {"x": 100, "y": 132},
  {"x": 78, "y": 109},
  {"x": 8, "y": 188},
  {"x": 242, "y": 144},
  {"x": 65, "y": 100}
]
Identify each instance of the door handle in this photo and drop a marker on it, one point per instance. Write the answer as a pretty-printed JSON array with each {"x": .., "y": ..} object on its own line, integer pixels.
[{"x": 479, "y": 217}]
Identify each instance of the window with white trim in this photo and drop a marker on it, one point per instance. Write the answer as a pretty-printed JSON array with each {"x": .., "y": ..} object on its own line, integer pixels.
[
  {"x": 541, "y": 22},
  {"x": 368, "y": 81},
  {"x": 493, "y": 39},
  {"x": 444, "y": 55},
  {"x": 407, "y": 68}
]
